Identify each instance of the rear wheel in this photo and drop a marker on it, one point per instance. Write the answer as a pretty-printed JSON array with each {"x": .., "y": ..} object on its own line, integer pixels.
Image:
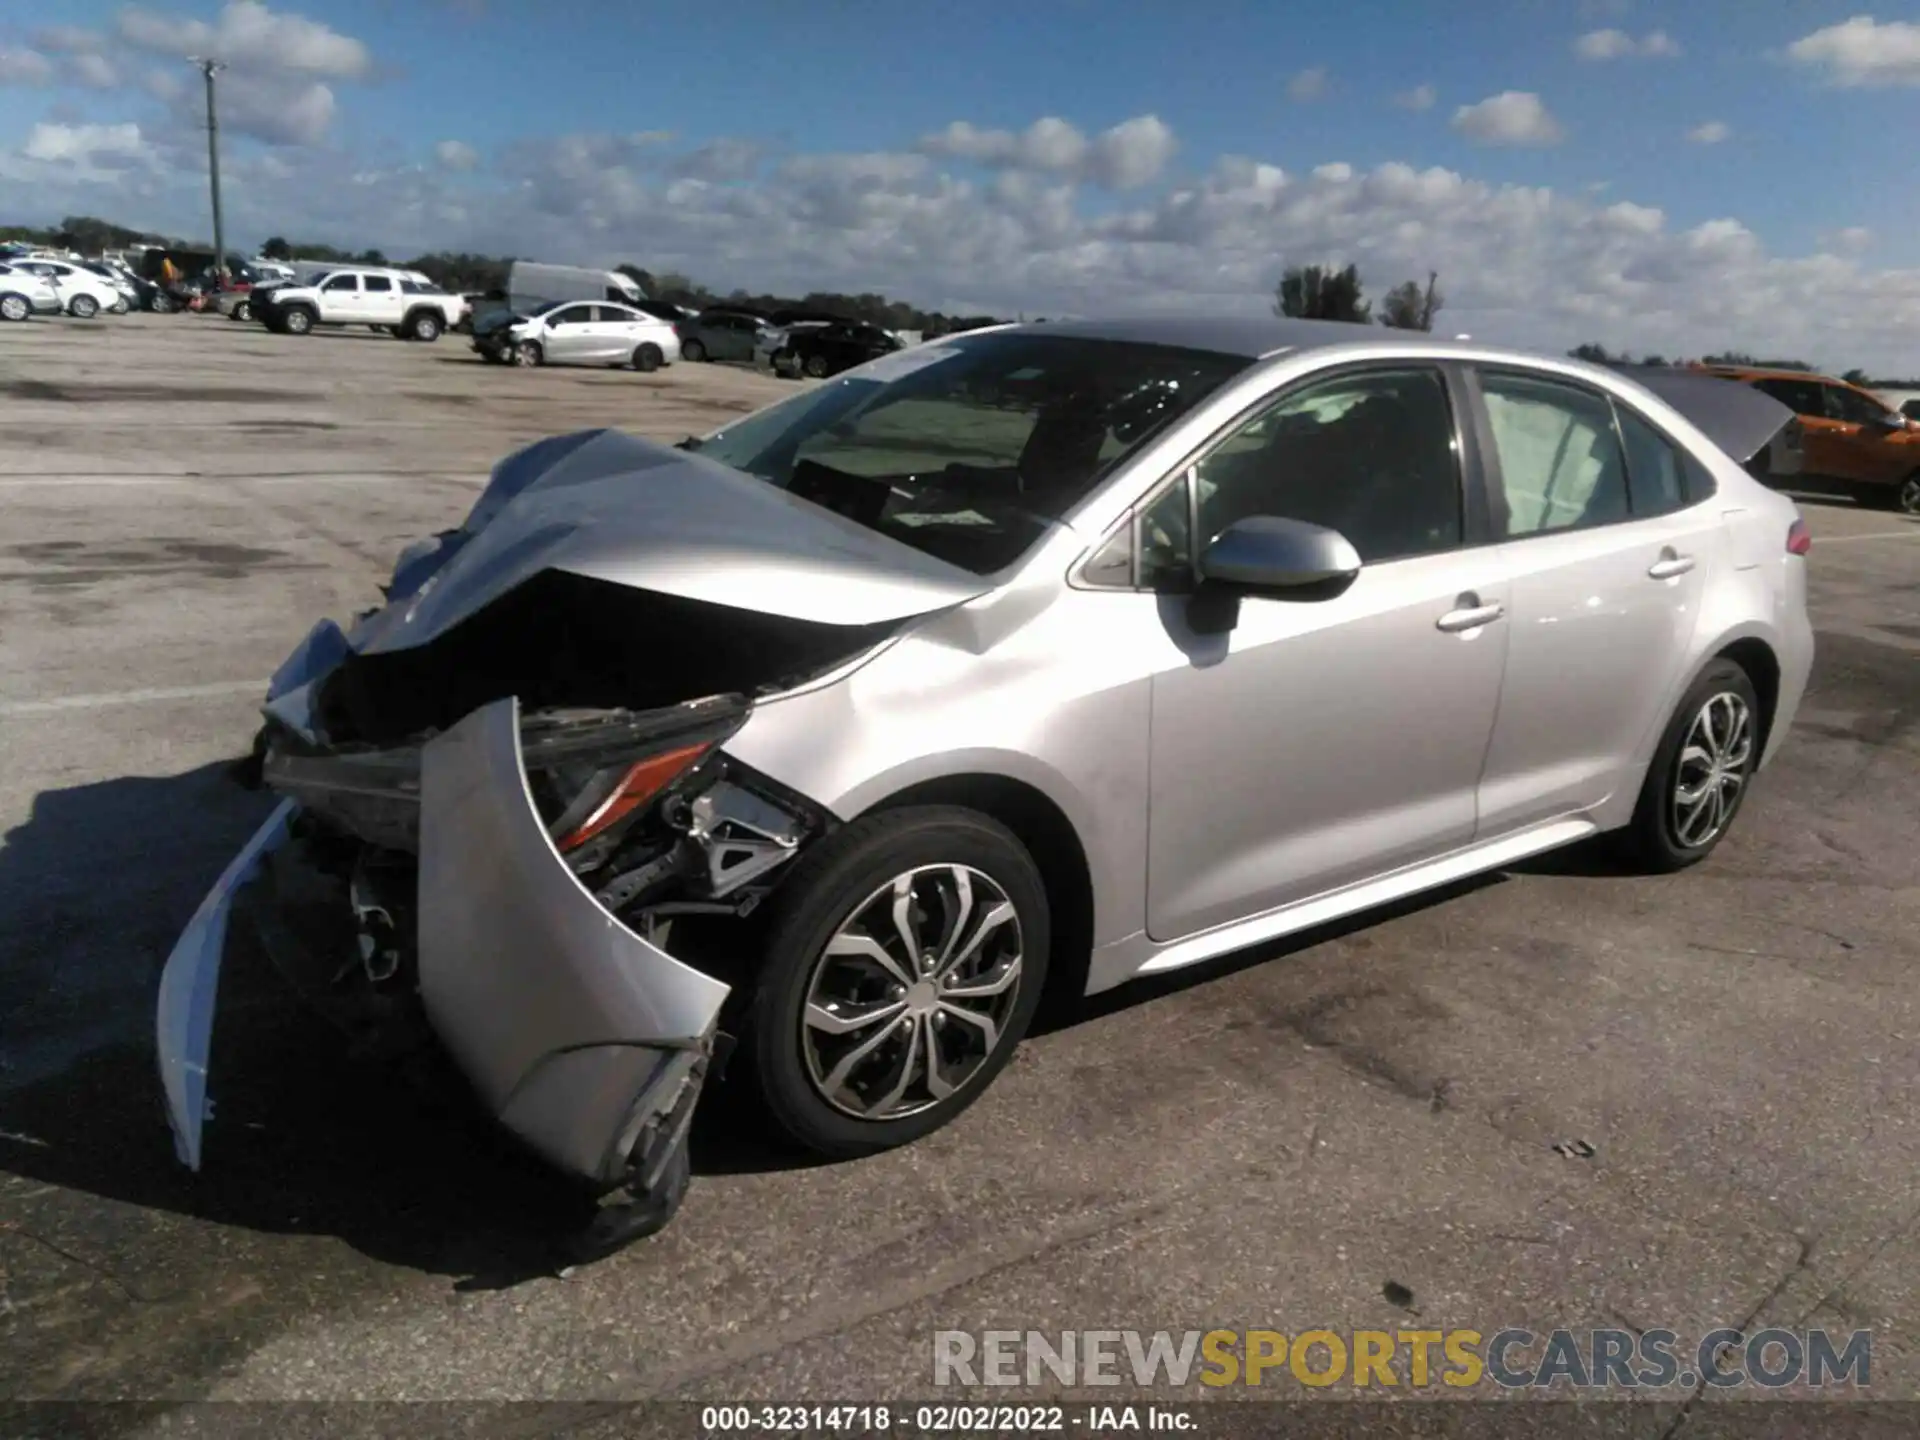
[
  {"x": 1906, "y": 499},
  {"x": 904, "y": 960},
  {"x": 15, "y": 308},
  {"x": 162, "y": 303},
  {"x": 1700, "y": 772},
  {"x": 647, "y": 359}
]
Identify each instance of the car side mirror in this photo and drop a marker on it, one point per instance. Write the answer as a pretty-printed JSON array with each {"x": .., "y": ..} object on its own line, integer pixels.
[{"x": 1288, "y": 559}]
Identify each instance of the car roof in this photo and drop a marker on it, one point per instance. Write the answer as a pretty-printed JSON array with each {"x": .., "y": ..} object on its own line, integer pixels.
[
  {"x": 1251, "y": 336},
  {"x": 1767, "y": 372}
]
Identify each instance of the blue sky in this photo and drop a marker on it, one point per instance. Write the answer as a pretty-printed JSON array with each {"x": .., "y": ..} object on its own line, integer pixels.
[{"x": 508, "y": 124}]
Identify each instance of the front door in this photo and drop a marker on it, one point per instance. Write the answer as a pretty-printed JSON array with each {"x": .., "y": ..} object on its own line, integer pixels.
[
  {"x": 340, "y": 301},
  {"x": 1318, "y": 743},
  {"x": 570, "y": 335},
  {"x": 1607, "y": 547}
]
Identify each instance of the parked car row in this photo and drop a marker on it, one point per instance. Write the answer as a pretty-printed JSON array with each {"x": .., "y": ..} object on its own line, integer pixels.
[{"x": 39, "y": 284}]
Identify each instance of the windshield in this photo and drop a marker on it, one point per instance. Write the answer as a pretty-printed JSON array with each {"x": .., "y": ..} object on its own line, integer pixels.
[{"x": 971, "y": 450}]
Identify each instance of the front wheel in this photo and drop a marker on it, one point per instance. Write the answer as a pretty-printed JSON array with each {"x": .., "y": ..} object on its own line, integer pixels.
[
  {"x": 297, "y": 321},
  {"x": 904, "y": 960},
  {"x": 1906, "y": 499},
  {"x": 527, "y": 353},
  {"x": 816, "y": 367},
  {"x": 693, "y": 352},
  {"x": 83, "y": 307},
  {"x": 425, "y": 327},
  {"x": 1700, "y": 772}
]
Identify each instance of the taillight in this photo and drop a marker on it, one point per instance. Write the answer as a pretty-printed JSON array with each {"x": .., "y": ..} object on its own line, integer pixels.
[{"x": 1799, "y": 538}]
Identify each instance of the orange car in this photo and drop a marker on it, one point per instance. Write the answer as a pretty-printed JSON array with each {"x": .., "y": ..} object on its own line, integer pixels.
[{"x": 1850, "y": 440}]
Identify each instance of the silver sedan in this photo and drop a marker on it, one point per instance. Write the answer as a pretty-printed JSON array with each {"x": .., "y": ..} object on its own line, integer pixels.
[{"x": 1031, "y": 661}]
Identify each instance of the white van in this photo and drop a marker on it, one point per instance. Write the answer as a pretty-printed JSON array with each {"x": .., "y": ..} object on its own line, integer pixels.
[{"x": 530, "y": 285}]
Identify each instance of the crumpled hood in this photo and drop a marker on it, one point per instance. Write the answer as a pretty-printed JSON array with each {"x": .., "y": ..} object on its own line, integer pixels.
[{"x": 608, "y": 506}]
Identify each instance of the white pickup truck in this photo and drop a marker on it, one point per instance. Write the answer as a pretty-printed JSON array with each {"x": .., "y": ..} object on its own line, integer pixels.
[{"x": 410, "y": 306}]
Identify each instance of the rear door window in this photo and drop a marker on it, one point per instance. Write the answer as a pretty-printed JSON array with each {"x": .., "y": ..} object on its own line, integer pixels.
[
  {"x": 1560, "y": 460},
  {"x": 1800, "y": 396},
  {"x": 1656, "y": 467},
  {"x": 380, "y": 284}
]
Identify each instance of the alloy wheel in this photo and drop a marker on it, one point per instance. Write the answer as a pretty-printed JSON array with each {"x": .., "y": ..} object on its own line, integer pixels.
[
  {"x": 14, "y": 308},
  {"x": 910, "y": 996},
  {"x": 1908, "y": 498},
  {"x": 1712, "y": 769}
]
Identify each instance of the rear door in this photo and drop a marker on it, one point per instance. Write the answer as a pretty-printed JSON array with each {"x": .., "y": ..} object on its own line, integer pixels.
[
  {"x": 381, "y": 300},
  {"x": 1821, "y": 449},
  {"x": 1608, "y": 531}
]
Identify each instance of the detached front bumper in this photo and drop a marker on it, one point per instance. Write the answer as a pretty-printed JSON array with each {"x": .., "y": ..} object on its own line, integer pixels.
[{"x": 588, "y": 1043}]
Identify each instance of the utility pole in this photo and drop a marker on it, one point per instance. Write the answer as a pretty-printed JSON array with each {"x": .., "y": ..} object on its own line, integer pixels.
[{"x": 210, "y": 68}]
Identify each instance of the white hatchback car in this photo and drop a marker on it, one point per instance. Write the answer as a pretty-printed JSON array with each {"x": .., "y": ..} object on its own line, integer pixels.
[
  {"x": 24, "y": 293},
  {"x": 83, "y": 294}
]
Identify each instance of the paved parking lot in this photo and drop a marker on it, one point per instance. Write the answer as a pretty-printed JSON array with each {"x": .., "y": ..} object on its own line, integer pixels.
[{"x": 1345, "y": 1132}]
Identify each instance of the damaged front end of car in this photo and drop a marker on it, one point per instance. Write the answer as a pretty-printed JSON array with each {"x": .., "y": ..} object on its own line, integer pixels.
[{"x": 508, "y": 831}]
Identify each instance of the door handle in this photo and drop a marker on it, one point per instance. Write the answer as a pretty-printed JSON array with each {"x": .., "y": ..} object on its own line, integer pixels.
[
  {"x": 1670, "y": 565},
  {"x": 1471, "y": 617}
]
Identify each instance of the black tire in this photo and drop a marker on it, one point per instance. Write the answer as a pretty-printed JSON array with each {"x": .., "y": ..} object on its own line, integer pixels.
[
  {"x": 1905, "y": 496},
  {"x": 693, "y": 351},
  {"x": 829, "y": 885},
  {"x": 647, "y": 358},
  {"x": 296, "y": 320},
  {"x": 528, "y": 354},
  {"x": 15, "y": 307},
  {"x": 815, "y": 366},
  {"x": 83, "y": 307},
  {"x": 1654, "y": 841},
  {"x": 243, "y": 311},
  {"x": 424, "y": 326},
  {"x": 162, "y": 303}
]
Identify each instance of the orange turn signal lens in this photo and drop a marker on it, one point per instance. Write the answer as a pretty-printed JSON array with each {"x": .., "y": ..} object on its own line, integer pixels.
[{"x": 644, "y": 780}]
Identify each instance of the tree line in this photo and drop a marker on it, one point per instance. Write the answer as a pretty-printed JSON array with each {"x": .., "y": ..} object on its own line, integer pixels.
[{"x": 1320, "y": 292}]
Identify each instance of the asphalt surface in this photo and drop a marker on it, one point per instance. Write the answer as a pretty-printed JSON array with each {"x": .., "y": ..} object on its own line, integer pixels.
[{"x": 1357, "y": 1130}]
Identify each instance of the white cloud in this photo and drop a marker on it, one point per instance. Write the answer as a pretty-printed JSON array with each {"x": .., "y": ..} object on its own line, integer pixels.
[
  {"x": 1862, "y": 52},
  {"x": 1513, "y": 117},
  {"x": 249, "y": 35},
  {"x": 456, "y": 155},
  {"x": 1522, "y": 264},
  {"x": 93, "y": 70},
  {"x": 25, "y": 67},
  {"x": 1421, "y": 97},
  {"x": 85, "y": 145},
  {"x": 725, "y": 159},
  {"x": 1122, "y": 158},
  {"x": 1852, "y": 240},
  {"x": 1308, "y": 85},
  {"x": 1710, "y": 132},
  {"x": 1619, "y": 45}
]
